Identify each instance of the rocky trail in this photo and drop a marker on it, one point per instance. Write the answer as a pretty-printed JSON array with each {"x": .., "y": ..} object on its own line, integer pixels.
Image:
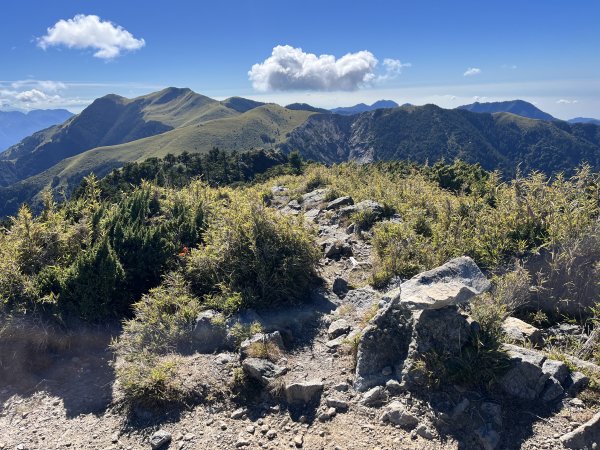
[{"x": 342, "y": 371}]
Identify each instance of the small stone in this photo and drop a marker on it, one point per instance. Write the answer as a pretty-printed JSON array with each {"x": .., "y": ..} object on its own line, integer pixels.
[
  {"x": 222, "y": 426},
  {"x": 250, "y": 429},
  {"x": 341, "y": 387},
  {"x": 324, "y": 417},
  {"x": 397, "y": 414},
  {"x": 271, "y": 434},
  {"x": 338, "y": 328},
  {"x": 423, "y": 431},
  {"x": 160, "y": 438},
  {"x": 336, "y": 403},
  {"x": 242, "y": 442},
  {"x": 331, "y": 412},
  {"x": 189, "y": 436},
  {"x": 374, "y": 396},
  {"x": 238, "y": 413},
  {"x": 299, "y": 441}
]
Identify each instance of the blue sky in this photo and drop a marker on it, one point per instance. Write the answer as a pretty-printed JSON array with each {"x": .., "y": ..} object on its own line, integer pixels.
[{"x": 57, "y": 54}]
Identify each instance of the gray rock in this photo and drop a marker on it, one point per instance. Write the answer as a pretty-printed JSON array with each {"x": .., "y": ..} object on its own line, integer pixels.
[
  {"x": 312, "y": 214},
  {"x": 396, "y": 413},
  {"x": 209, "y": 334},
  {"x": 525, "y": 379},
  {"x": 262, "y": 370},
  {"x": 341, "y": 387},
  {"x": 453, "y": 283},
  {"x": 383, "y": 343},
  {"x": 374, "y": 397},
  {"x": 313, "y": 198},
  {"x": 268, "y": 339},
  {"x": 556, "y": 369},
  {"x": 576, "y": 382},
  {"x": 393, "y": 387},
  {"x": 552, "y": 391},
  {"x": 488, "y": 437},
  {"x": 492, "y": 412},
  {"x": 585, "y": 435},
  {"x": 336, "y": 343},
  {"x": 521, "y": 332},
  {"x": 294, "y": 205},
  {"x": 338, "y": 202},
  {"x": 340, "y": 287},
  {"x": 337, "y": 403},
  {"x": 425, "y": 432},
  {"x": 239, "y": 413},
  {"x": 442, "y": 331},
  {"x": 460, "y": 408},
  {"x": 332, "y": 248},
  {"x": 338, "y": 328},
  {"x": 304, "y": 392},
  {"x": 362, "y": 299},
  {"x": 159, "y": 439}
]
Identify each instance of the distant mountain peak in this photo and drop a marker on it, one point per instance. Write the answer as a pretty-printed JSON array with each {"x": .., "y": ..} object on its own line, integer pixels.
[
  {"x": 518, "y": 107},
  {"x": 362, "y": 107}
]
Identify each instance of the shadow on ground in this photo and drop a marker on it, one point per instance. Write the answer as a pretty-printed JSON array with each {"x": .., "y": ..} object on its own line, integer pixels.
[{"x": 74, "y": 366}]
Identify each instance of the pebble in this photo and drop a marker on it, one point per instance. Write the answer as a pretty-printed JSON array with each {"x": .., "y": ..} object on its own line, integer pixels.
[{"x": 271, "y": 434}]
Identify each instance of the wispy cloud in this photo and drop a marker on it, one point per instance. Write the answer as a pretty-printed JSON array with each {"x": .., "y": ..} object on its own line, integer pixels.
[
  {"x": 472, "y": 71},
  {"x": 563, "y": 101},
  {"x": 292, "y": 69},
  {"x": 90, "y": 32}
]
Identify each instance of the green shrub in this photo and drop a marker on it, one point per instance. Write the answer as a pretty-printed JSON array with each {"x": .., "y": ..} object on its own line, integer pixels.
[
  {"x": 152, "y": 381},
  {"x": 267, "y": 258},
  {"x": 92, "y": 287}
]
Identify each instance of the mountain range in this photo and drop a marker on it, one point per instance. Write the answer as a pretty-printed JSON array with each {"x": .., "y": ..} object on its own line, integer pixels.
[
  {"x": 362, "y": 107},
  {"x": 114, "y": 130},
  {"x": 584, "y": 120},
  {"x": 16, "y": 125},
  {"x": 518, "y": 107}
]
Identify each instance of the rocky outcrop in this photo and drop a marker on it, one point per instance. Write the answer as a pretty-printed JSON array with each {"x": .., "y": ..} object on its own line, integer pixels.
[
  {"x": 417, "y": 321},
  {"x": 532, "y": 376},
  {"x": 453, "y": 283}
]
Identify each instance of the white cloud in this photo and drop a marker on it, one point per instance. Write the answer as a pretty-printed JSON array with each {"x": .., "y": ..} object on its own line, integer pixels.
[
  {"x": 290, "y": 68},
  {"x": 393, "y": 68},
  {"x": 563, "y": 101},
  {"x": 44, "y": 85},
  {"x": 84, "y": 32},
  {"x": 34, "y": 96},
  {"x": 472, "y": 71}
]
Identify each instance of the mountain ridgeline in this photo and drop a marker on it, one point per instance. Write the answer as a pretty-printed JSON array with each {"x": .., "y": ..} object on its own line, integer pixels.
[
  {"x": 518, "y": 107},
  {"x": 16, "y": 125},
  {"x": 114, "y": 131}
]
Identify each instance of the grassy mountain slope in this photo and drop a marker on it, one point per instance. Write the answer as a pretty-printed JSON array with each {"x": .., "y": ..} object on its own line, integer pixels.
[
  {"x": 109, "y": 120},
  {"x": 429, "y": 133},
  {"x": 265, "y": 126},
  {"x": 518, "y": 107}
]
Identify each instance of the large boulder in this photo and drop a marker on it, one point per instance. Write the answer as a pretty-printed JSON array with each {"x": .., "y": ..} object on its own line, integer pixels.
[
  {"x": 339, "y": 202},
  {"x": 453, "y": 283}
]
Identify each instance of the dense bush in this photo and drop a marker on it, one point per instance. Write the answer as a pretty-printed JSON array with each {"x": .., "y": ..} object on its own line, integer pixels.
[{"x": 252, "y": 257}]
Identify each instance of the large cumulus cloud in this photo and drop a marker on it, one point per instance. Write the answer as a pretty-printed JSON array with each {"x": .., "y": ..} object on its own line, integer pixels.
[
  {"x": 289, "y": 68},
  {"x": 83, "y": 32}
]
